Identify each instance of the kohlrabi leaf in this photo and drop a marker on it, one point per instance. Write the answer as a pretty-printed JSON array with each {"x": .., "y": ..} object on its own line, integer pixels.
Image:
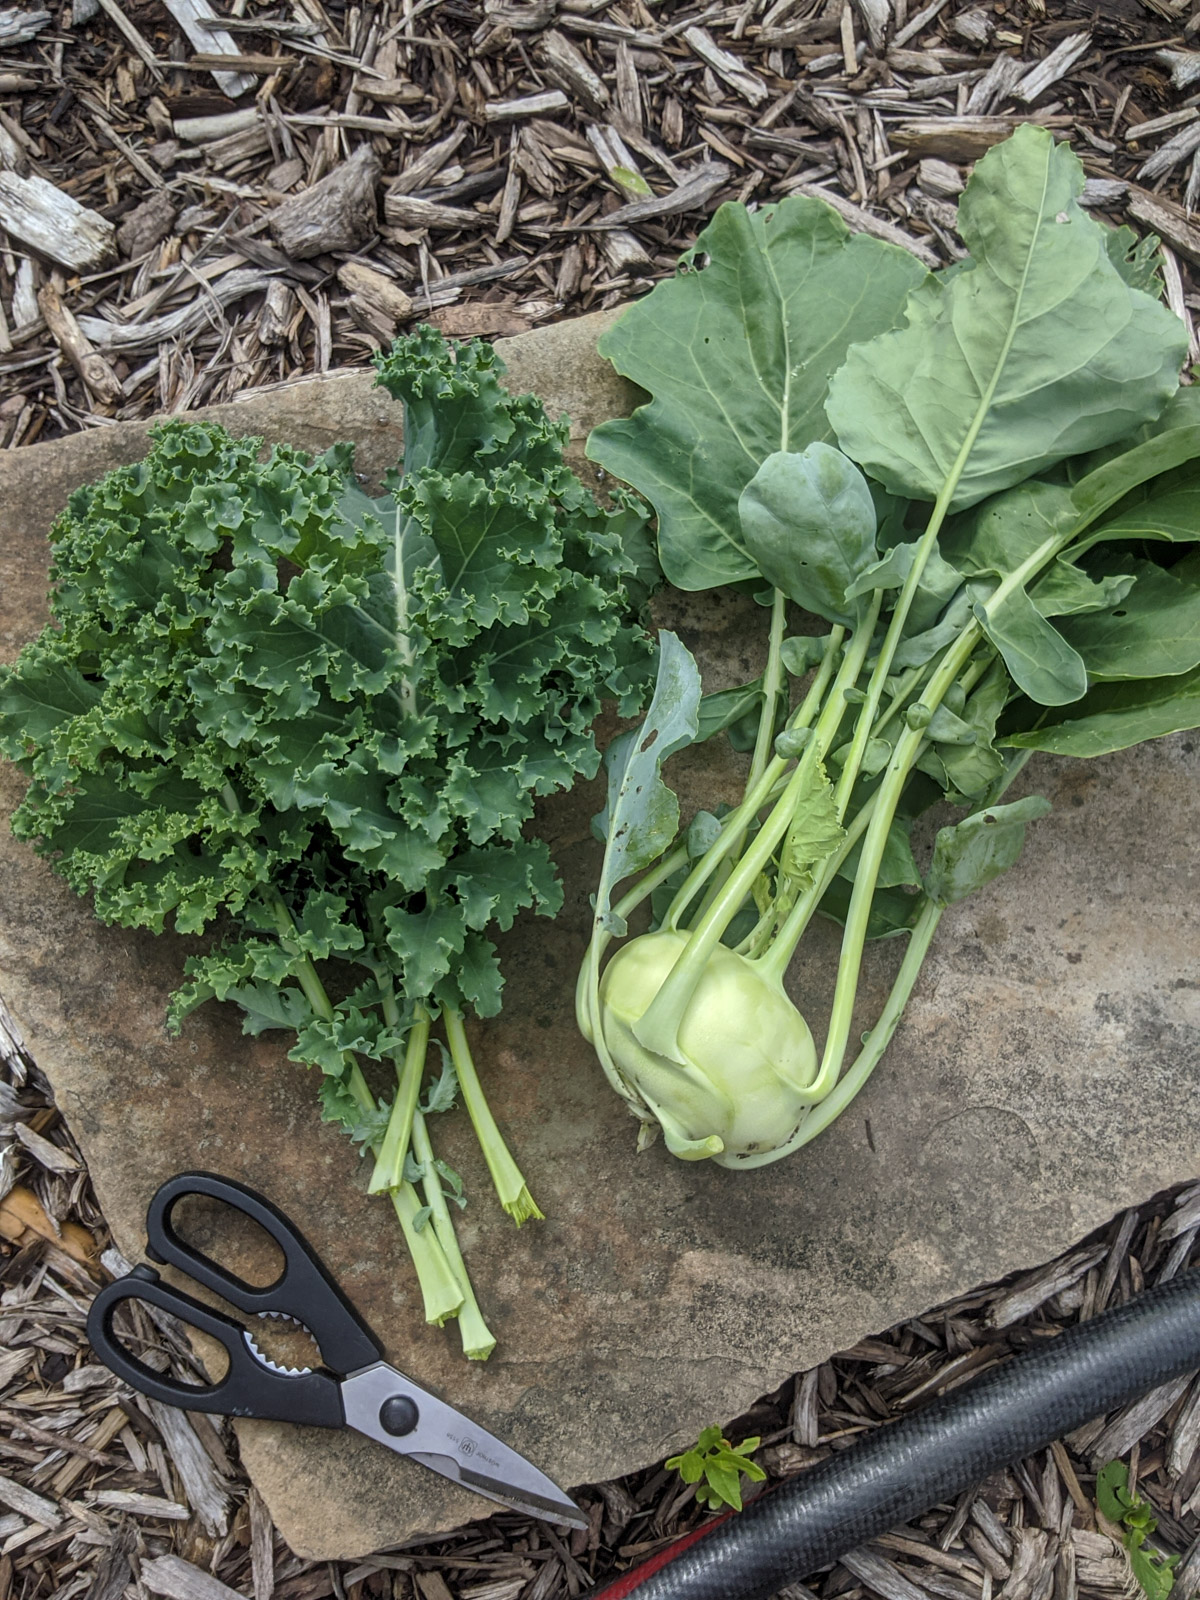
[
  {"x": 1132, "y": 472},
  {"x": 802, "y": 652},
  {"x": 1138, "y": 260},
  {"x": 898, "y": 866},
  {"x": 1154, "y": 629},
  {"x": 808, "y": 523},
  {"x": 1113, "y": 716},
  {"x": 814, "y": 832},
  {"x": 641, "y": 815},
  {"x": 1171, "y": 514},
  {"x": 1036, "y": 350},
  {"x": 1012, "y": 537},
  {"x": 736, "y": 352},
  {"x": 1065, "y": 590},
  {"x": 1038, "y": 658},
  {"x": 970, "y": 770},
  {"x": 893, "y": 911},
  {"x": 918, "y": 648},
  {"x": 979, "y": 848},
  {"x": 938, "y": 582},
  {"x": 1011, "y": 529},
  {"x": 724, "y": 707}
]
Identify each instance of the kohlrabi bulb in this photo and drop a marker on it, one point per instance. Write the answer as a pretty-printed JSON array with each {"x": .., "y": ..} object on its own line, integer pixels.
[{"x": 749, "y": 1052}]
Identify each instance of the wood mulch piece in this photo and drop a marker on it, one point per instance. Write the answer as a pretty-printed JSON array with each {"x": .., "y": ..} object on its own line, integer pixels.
[
  {"x": 108, "y": 1495},
  {"x": 193, "y": 204}
]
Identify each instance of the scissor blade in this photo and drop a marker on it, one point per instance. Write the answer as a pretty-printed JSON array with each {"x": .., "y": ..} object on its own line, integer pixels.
[
  {"x": 557, "y": 1509},
  {"x": 388, "y": 1407}
]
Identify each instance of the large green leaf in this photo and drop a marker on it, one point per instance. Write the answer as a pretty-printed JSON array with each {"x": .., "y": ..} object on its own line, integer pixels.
[
  {"x": 1153, "y": 631},
  {"x": 736, "y": 353},
  {"x": 1034, "y": 351},
  {"x": 979, "y": 848},
  {"x": 1113, "y": 716},
  {"x": 808, "y": 521},
  {"x": 641, "y": 814}
]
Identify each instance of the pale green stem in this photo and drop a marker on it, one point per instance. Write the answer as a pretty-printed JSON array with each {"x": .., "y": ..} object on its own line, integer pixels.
[
  {"x": 759, "y": 933},
  {"x": 907, "y": 684},
  {"x": 772, "y": 684},
  {"x": 774, "y": 964},
  {"x": 658, "y": 1027},
  {"x": 441, "y": 1291},
  {"x": 439, "y": 1287},
  {"x": 908, "y": 747},
  {"x": 506, "y": 1175},
  {"x": 389, "y": 1160},
  {"x": 874, "y": 1045},
  {"x": 739, "y": 820},
  {"x": 478, "y": 1341}
]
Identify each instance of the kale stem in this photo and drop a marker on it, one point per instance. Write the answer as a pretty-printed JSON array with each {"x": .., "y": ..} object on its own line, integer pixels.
[
  {"x": 506, "y": 1175},
  {"x": 440, "y": 1289},
  {"x": 658, "y": 1027},
  {"x": 478, "y": 1341},
  {"x": 389, "y": 1160},
  {"x": 772, "y": 684}
]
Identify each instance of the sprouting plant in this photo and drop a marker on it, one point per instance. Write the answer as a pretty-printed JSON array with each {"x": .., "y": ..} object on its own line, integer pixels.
[
  {"x": 1153, "y": 1569},
  {"x": 716, "y": 1468}
]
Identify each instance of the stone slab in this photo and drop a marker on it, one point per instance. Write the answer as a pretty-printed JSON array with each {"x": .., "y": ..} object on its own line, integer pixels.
[{"x": 1044, "y": 1079}]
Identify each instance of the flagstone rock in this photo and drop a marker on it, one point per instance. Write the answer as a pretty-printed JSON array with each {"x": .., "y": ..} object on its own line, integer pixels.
[{"x": 1043, "y": 1079}]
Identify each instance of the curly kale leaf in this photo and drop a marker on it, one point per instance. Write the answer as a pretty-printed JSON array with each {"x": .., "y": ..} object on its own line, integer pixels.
[{"x": 320, "y": 718}]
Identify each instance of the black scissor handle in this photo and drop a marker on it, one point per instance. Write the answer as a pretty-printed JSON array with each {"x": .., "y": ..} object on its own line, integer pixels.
[
  {"x": 248, "y": 1389},
  {"x": 304, "y": 1289}
]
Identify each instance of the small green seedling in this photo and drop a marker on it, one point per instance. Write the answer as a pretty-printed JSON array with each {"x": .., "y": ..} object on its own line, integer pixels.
[
  {"x": 713, "y": 1465},
  {"x": 1152, "y": 1569}
]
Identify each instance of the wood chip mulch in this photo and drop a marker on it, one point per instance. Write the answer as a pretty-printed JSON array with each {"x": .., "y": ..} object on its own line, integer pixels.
[
  {"x": 194, "y": 203},
  {"x": 107, "y": 1495}
]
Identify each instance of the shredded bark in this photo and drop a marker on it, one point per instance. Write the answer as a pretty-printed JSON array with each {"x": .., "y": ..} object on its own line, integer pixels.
[{"x": 192, "y": 181}]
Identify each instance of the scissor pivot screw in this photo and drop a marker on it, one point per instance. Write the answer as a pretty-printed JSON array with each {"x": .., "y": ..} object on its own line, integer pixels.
[{"x": 399, "y": 1415}]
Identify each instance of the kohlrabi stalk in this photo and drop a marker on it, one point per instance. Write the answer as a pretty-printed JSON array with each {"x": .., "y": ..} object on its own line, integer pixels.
[
  {"x": 773, "y": 688},
  {"x": 658, "y": 1028}
]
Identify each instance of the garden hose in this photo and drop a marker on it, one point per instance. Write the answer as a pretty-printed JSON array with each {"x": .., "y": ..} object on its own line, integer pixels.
[{"x": 903, "y": 1468}]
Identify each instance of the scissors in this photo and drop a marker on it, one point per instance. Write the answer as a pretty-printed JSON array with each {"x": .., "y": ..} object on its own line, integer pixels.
[{"x": 355, "y": 1389}]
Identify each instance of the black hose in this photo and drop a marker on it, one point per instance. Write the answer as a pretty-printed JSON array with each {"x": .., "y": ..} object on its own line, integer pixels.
[{"x": 902, "y": 1469}]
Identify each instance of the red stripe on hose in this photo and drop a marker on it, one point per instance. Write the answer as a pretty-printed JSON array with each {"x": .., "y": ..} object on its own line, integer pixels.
[{"x": 630, "y": 1582}]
